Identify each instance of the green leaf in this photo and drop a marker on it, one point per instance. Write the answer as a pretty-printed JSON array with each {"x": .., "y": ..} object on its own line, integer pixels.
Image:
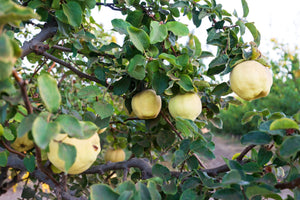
[
  {"x": 25, "y": 125},
  {"x": 186, "y": 83},
  {"x": 228, "y": 194},
  {"x": 121, "y": 86},
  {"x": 102, "y": 192},
  {"x": 241, "y": 24},
  {"x": 284, "y": 123},
  {"x": 186, "y": 127},
  {"x": 198, "y": 49},
  {"x": 70, "y": 125},
  {"x": 177, "y": 28},
  {"x": 67, "y": 153},
  {"x": 179, "y": 157},
  {"x": 8, "y": 135},
  {"x": 104, "y": 110},
  {"x": 158, "y": 32},
  {"x": 29, "y": 162},
  {"x": 120, "y": 26},
  {"x": 245, "y": 8},
  {"x": 160, "y": 82},
  {"x": 73, "y": 12},
  {"x": 248, "y": 116},
  {"x": 139, "y": 38},
  {"x": 136, "y": 67},
  {"x": 161, "y": 171},
  {"x": 126, "y": 195},
  {"x": 49, "y": 92},
  {"x": 43, "y": 131},
  {"x": 170, "y": 58},
  {"x": 263, "y": 190},
  {"x": 3, "y": 158},
  {"x": 255, "y": 33},
  {"x": 153, "y": 190},
  {"x": 12, "y": 13},
  {"x": 127, "y": 185},
  {"x": 221, "y": 89},
  {"x": 232, "y": 177},
  {"x": 264, "y": 156},
  {"x": 256, "y": 137},
  {"x": 89, "y": 92},
  {"x": 88, "y": 128},
  {"x": 165, "y": 139},
  {"x": 170, "y": 188},
  {"x": 189, "y": 194},
  {"x": 220, "y": 60},
  {"x": 290, "y": 146},
  {"x": 142, "y": 192}
]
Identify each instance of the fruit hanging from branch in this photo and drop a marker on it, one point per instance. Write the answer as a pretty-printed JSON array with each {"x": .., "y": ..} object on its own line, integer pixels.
[
  {"x": 251, "y": 80},
  {"x": 187, "y": 106},
  {"x": 87, "y": 151},
  {"x": 146, "y": 104},
  {"x": 114, "y": 155}
]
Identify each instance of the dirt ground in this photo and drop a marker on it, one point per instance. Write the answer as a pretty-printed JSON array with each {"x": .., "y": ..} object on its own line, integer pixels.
[{"x": 224, "y": 147}]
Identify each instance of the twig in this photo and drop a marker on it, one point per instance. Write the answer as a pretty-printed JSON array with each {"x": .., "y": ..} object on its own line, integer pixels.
[
  {"x": 171, "y": 125},
  {"x": 110, "y": 5},
  {"x": 22, "y": 85},
  {"x": 41, "y": 167},
  {"x": 244, "y": 152},
  {"x": 12, "y": 150},
  {"x": 70, "y": 67}
]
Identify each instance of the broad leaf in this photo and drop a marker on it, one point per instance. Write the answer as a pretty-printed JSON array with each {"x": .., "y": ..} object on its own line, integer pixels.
[
  {"x": 3, "y": 158},
  {"x": 228, "y": 194},
  {"x": 120, "y": 25},
  {"x": 245, "y": 8},
  {"x": 256, "y": 137},
  {"x": 43, "y": 131},
  {"x": 70, "y": 125},
  {"x": 136, "y": 67},
  {"x": 158, "y": 32},
  {"x": 49, "y": 92},
  {"x": 67, "y": 153},
  {"x": 102, "y": 192},
  {"x": 103, "y": 109},
  {"x": 161, "y": 171},
  {"x": 284, "y": 123},
  {"x": 186, "y": 83},
  {"x": 29, "y": 162},
  {"x": 178, "y": 28},
  {"x": 73, "y": 12},
  {"x": 89, "y": 92},
  {"x": 139, "y": 38},
  {"x": 255, "y": 33},
  {"x": 25, "y": 125},
  {"x": 290, "y": 146}
]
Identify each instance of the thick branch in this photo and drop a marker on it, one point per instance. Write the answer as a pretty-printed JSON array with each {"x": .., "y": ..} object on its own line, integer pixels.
[
  {"x": 289, "y": 185},
  {"x": 47, "y": 32},
  {"x": 142, "y": 164}
]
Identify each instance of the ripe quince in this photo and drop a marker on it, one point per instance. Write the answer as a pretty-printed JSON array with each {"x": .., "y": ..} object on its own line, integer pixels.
[
  {"x": 87, "y": 151},
  {"x": 114, "y": 155},
  {"x": 251, "y": 80},
  {"x": 23, "y": 143},
  {"x": 187, "y": 106},
  {"x": 146, "y": 104}
]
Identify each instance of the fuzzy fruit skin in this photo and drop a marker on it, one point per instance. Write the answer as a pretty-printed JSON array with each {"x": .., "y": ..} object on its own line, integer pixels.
[
  {"x": 146, "y": 104},
  {"x": 187, "y": 106},
  {"x": 251, "y": 80},
  {"x": 87, "y": 151},
  {"x": 114, "y": 155},
  {"x": 23, "y": 143}
]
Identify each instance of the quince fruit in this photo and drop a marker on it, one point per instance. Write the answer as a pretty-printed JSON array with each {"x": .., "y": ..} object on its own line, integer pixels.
[
  {"x": 114, "y": 155},
  {"x": 146, "y": 104},
  {"x": 23, "y": 143},
  {"x": 251, "y": 80},
  {"x": 187, "y": 106},
  {"x": 87, "y": 151}
]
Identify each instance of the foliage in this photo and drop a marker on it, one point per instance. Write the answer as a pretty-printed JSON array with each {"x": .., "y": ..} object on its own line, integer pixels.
[
  {"x": 71, "y": 77},
  {"x": 284, "y": 96}
]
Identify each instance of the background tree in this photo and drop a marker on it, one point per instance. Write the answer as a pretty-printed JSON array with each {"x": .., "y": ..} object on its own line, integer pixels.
[{"x": 73, "y": 78}]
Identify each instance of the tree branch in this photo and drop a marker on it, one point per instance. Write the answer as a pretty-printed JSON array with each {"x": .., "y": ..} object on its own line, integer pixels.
[
  {"x": 48, "y": 31},
  {"x": 141, "y": 163},
  {"x": 22, "y": 85},
  {"x": 70, "y": 67}
]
